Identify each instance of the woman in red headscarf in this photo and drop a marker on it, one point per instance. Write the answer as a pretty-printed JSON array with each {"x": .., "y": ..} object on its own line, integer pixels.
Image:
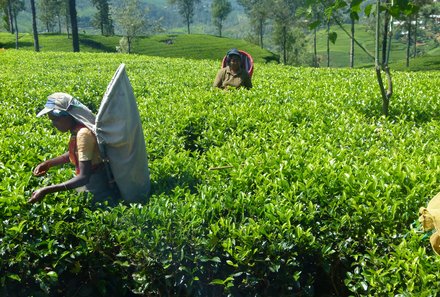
[{"x": 233, "y": 75}]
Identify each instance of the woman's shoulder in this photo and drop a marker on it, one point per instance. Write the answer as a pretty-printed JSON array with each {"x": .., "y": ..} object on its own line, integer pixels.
[{"x": 85, "y": 132}]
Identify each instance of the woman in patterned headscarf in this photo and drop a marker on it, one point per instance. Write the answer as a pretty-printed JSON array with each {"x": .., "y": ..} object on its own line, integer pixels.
[{"x": 69, "y": 115}]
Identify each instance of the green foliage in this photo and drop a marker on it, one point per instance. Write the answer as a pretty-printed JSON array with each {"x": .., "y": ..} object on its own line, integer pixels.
[{"x": 316, "y": 197}]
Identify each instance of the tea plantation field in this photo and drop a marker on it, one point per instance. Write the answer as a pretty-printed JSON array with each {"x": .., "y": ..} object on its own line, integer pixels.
[{"x": 297, "y": 187}]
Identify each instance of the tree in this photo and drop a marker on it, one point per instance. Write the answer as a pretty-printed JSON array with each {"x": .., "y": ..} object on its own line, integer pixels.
[
  {"x": 355, "y": 9},
  {"x": 329, "y": 17},
  {"x": 34, "y": 26},
  {"x": 102, "y": 19},
  {"x": 315, "y": 13},
  {"x": 47, "y": 14},
  {"x": 389, "y": 9},
  {"x": 258, "y": 12},
  {"x": 283, "y": 14},
  {"x": 220, "y": 10},
  {"x": 130, "y": 18},
  {"x": 10, "y": 16},
  {"x": 186, "y": 9},
  {"x": 68, "y": 21},
  {"x": 74, "y": 24},
  {"x": 412, "y": 23},
  {"x": 4, "y": 5},
  {"x": 15, "y": 7}
]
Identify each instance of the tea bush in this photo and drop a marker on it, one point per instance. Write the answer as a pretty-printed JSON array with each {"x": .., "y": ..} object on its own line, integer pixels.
[{"x": 295, "y": 187}]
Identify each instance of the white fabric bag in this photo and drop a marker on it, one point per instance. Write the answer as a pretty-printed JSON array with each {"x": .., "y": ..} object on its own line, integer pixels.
[{"x": 121, "y": 140}]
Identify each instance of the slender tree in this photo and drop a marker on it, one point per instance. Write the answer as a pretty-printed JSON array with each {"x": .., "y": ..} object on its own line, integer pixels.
[
  {"x": 419, "y": 4},
  {"x": 331, "y": 36},
  {"x": 186, "y": 10},
  {"x": 10, "y": 17},
  {"x": 74, "y": 24},
  {"x": 355, "y": 9},
  {"x": 328, "y": 42},
  {"x": 258, "y": 12},
  {"x": 130, "y": 19},
  {"x": 47, "y": 13},
  {"x": 314, "y": 12},
  {"x": 284, "y": 17},
  {"x": 220, "y": 10},
  {"x": 102, "y": 19},
  {"x": 60, "y": 7},
  {"x": 34, "y": 26},
  {"x": 68, "y": 22},
  {"x": 16, "y": 6},
  {"x": 408, "y": 40},
  {"x": 393, "y": 9},
  {"x": 4, "y": 6}
]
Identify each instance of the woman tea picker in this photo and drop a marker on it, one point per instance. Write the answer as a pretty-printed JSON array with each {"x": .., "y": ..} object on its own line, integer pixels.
[
  {"x": 69, "y": 115},
  {"x": 233, "y": 75}
]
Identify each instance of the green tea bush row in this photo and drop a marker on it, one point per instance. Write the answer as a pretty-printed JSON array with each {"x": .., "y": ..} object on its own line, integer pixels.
[{"x": 295, "y": 187}]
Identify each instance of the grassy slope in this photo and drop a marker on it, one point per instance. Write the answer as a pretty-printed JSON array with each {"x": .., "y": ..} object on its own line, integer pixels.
[
  {"x": 339, "y": 52},
  {"x": 200, "y": 46},
  {"x": 194, "y": 46}
]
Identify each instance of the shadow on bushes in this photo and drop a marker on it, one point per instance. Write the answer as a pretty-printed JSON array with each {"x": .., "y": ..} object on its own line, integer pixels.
[{"x": 167, "y": 183}]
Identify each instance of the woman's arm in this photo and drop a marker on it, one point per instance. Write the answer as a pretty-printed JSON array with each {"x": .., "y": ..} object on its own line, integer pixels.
[
  {"x": 218, "y": 82},
  {"x": 80, "y": 180},
  {"x": 43, "y": 167}
]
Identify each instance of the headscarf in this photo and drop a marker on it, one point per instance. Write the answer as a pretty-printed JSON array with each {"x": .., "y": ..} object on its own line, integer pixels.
[{"x": 63, "y": 102}]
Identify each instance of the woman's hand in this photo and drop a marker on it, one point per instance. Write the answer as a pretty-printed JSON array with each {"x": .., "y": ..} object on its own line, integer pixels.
[
  {"x": 38, "y": 195},
  {"x": 42, "y": 168}
]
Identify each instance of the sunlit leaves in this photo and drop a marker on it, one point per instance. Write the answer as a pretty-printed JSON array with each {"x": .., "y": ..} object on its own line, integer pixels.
[{"x": 251, "y": 188}]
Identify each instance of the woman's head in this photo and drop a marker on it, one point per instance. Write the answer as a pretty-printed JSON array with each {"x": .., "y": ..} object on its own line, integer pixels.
[
  {"x": 63, "y": 108},
  {"x": 57, "y": 102},
  {"x": 62, "y": 120},
  {"x": 234, "y": 57}
]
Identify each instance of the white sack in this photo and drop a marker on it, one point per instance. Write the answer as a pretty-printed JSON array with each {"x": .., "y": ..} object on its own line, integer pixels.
[{"x": 119, "y": 133}]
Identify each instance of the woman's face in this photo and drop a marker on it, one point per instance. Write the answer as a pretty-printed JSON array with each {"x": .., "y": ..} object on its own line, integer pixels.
[
  {"x": 234, "y": 61},
  {"x": 63, "y": 123}
]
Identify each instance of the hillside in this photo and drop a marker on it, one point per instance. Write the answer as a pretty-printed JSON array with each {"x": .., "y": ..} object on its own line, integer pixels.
[
  {"x": 429, "y": 57},
  {"x": 201, "y": 46},
  {"x": 193, "y": 46}
]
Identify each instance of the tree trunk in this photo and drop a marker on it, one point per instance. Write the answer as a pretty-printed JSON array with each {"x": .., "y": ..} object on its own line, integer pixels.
[
  {"x": 187, "y": 24},
  {"x": 67, "y": 22},
  {"x": 328, "y": 43},
  {"x": 415, "y": 37},
  {"x": 386, "y": 95},
  {"x": 315, "y": 52},
  {"x": 390, "y": 37},
  {"x": 34, "y": 26},
  {"x": 59, "y": 24},
  {"x": 16, "y": 29},
  {"x": 385, "y": 38},
  {"x": 74, "y": 22},
  {"x": 129, "y": 44},
  {"x": 10, "y": 18},
  {"x": 408, "y": 45},
  {"x": 284, "y": 45},
  {"x": 261, "y": 32},
  {"x": 220, "y": 28},
  {"x": 352, "y": 44}
]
